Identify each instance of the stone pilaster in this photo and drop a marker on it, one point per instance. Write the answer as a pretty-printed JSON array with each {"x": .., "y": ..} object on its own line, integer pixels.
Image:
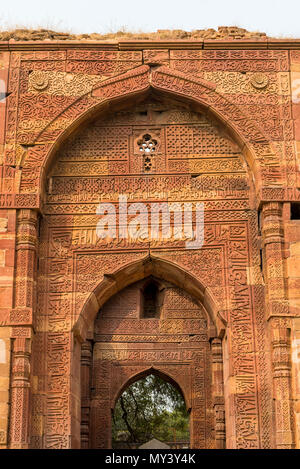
[
  {"x": 86, "y": 362},
  {"x": 278, "y": 317},
  {"x": 22, "y": 319},
  {"x": 273, "y": 259},
  {"x": 26, "y": 247},
  {"x": 20, "y": 394},
  {"x": 281, "y": 358},
  {"x": 218, "y": 393}
]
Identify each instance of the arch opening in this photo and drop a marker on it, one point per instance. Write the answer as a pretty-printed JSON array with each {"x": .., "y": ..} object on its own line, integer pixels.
[
  {"x": 150, "y": 410},
  {"x": 124, "y": 348},
  {"x": 161, "y": 269},
  {"x": 114, "y": 266}
]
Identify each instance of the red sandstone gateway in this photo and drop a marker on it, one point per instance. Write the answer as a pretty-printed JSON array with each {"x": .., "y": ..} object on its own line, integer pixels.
[{"x": 213, "y": 119}]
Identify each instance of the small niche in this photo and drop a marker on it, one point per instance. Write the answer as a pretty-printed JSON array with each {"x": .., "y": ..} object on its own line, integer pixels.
[
  {"x": 150, "y": 300},
  {"x": 295, "y": 211}
]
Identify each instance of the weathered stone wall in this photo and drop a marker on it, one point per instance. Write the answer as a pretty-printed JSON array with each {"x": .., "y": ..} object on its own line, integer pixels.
[{"x": 64, "y": 148}]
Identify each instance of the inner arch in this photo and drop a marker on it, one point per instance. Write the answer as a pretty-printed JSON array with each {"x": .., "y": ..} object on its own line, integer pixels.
[
  {"x": 153, "y": 371},
  {"x": 146, "y": 407},
  {"x": 114, "y": 282}
]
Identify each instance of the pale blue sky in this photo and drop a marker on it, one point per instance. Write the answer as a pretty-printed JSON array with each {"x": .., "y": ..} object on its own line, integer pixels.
[{"x": 275, "y": 17}]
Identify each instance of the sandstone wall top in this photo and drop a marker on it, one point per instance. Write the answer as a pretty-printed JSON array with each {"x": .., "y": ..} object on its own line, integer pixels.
[{"x": 223, "y": 37}]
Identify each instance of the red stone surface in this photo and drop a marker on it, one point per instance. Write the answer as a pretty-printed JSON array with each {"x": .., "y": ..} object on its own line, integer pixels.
[{"x": 225, "y": 120}]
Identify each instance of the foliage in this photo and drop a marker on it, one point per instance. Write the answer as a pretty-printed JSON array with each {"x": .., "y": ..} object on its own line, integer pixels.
[{"x": 150, "y": 408}]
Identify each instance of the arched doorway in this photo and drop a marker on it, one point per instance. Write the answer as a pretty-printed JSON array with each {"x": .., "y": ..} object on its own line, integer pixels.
[
  {"x": 195, "y": 159},
  {"x": 150, "y": 409},
  {"x": 126, "y": 344}
]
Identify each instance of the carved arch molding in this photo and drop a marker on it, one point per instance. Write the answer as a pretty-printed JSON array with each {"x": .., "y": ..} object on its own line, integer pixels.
[
  {"x": 78, "y": 275},
  {"x": 261, "y": 157}
]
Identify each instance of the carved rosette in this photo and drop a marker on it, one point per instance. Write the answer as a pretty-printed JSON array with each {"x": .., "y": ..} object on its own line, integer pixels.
[
  {"x": 259, "y": 81},
  {"x": 39, "y": 81}
]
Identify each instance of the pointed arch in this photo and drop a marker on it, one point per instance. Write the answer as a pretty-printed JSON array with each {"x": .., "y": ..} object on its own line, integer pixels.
[
  {"x": 160, "y": 268},
  {"x": 137, "y": 83},
  {"x": 158, "y": 372}
]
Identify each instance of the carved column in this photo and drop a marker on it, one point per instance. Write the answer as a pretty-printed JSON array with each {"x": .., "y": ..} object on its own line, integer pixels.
[
  {"x": 281, "y": 357},
  {"x": 20, "y": 394},
  {"x": 86, "y": 362},
  {"x": 21, "y": 319},
  {"x": 100, "y": 409},
  {"x": 278, "y": 317},
  {"x": 273, "y": 259},
  {"x": 218, "y": 393},
  {"x": 26, "y": 259}
]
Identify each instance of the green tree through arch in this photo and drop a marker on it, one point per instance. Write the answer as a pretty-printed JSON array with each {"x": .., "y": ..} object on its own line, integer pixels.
[{"x": 149, "y": 408}]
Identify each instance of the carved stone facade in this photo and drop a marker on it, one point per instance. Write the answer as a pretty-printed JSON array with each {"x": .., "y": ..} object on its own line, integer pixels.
[{"x": 212, "y": 122}]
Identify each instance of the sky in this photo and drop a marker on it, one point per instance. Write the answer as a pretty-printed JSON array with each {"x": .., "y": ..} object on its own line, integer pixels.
[{"x": 277, "y": 18}]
